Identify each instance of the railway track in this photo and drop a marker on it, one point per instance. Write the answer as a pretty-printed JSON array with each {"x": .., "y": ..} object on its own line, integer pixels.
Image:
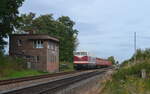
[
  {"x": 53, "y": 86},
  {"x": 16, "y": 80}
]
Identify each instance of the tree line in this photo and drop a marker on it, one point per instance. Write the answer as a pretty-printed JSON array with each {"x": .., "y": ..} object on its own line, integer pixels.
[
  {"x": 139, "y": 56},
  {"x": 61, "y": 28}
]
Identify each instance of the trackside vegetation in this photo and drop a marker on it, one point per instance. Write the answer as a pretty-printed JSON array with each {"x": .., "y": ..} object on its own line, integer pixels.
[
  {"x": 128, "y": 79},
  {"x": 15, "y": 68},
  {"x": 66, "y": 66},
  {"x": 11, "y": 67}
]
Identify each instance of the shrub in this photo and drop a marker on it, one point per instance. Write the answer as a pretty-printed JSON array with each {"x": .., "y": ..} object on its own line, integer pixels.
[
  {"x": 66, "y": 66},
  {"x": 135, "y": 70},
  {"x": 9, "y": 64}
]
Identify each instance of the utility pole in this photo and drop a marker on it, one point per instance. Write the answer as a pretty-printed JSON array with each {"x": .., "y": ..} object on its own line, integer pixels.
[{"x": 135, "y": 47}]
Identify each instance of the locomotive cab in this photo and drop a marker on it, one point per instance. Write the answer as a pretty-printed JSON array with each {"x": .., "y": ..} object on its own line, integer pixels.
[{"x": 83, "y": 60}]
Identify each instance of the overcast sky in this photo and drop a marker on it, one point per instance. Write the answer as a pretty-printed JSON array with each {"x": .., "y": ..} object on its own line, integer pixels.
[{"x": 106, "y": 26}]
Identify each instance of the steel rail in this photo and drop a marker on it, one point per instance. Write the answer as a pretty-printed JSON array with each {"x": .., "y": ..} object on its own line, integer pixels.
[
  {"x": 29, "y": 78},
  {"x": 51, "y": 87}
]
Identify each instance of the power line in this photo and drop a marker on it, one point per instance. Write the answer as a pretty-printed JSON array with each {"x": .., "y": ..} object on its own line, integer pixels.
[{"x": 135, "y": 47}]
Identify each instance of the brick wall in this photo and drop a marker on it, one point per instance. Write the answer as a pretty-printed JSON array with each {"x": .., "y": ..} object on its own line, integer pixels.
[{"x": 22, "y": 46}]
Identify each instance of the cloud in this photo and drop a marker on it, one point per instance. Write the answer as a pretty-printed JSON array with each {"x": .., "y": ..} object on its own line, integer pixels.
[{"x": 106, "y": 26}]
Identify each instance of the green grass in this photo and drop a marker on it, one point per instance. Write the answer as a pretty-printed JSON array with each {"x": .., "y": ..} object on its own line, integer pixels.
[
  {"x": 130, "y": 86},
  {"x": 22, "y": 73},
  {"x": 134, "y": 70},
  {"x": 128, "y": 81},
  {"x": 14, "y": 68},
  {"x": 66, "y": 66}
]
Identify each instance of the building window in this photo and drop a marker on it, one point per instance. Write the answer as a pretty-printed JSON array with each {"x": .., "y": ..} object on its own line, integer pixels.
[
  {"x": 38, "y": 44},
  {"x": 56, "y": 47},
  {"x": 37, "y": 58},
  {"x": 54, "y": 59},
  {"x": 51, "y": 45},
  {"x": 19, "y": 42},
  {"x": 51, "y": 59},
  {"x": 27, "y": 57}
]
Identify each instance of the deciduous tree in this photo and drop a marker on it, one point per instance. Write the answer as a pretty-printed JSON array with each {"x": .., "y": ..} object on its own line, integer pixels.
[
  {"x": 112, "y": 59},
  {"x": 8, "y": 18},
  {"x": 62, "y": 28}
]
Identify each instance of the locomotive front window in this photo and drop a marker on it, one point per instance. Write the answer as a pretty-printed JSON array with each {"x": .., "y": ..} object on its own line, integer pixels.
[
  {"x": 77, "y": 53},
  {"x": 81, "y": 53}
]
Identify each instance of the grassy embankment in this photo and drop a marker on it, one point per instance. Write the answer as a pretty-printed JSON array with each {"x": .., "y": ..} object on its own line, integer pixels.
[
  {"x": 127, "y": 80},
  {"x": 16, "y": 67},
  {"x": 66, "y": 66}
]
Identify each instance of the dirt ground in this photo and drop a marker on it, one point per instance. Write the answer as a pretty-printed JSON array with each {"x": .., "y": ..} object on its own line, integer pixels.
[{"x": 98, "y": 89}]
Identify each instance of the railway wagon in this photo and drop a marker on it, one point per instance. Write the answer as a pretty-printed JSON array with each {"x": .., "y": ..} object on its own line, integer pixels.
[
  {"x": 101, "y": 63},
  {"x": 84, "y": 60}
]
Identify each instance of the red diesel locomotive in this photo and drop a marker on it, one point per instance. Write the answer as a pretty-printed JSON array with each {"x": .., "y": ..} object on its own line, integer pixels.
[{"x": 84, "y": 60}]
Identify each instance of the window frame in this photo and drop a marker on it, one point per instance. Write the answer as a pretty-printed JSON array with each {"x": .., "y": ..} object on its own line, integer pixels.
[
  {"x": 19, "y": 42},
  {"x": 38, "y": 44},
  {"x": 37, "y": 58}
]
